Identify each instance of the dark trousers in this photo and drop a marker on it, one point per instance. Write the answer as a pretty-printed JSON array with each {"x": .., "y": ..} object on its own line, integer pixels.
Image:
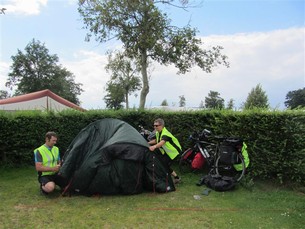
[
  {"x": 57, "y": 179},
  {"x": 165, "y": 160}
]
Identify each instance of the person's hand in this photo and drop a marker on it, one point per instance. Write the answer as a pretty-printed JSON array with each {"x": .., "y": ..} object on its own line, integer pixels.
[
  {"x": 152, "y": 148},
  {"x": 56, "y": 168}
]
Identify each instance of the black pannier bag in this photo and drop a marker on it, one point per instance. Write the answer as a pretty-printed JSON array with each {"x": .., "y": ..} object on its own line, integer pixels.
[
  {"x": 229, "y": 150},
  {"x": 218, "y": 183}
]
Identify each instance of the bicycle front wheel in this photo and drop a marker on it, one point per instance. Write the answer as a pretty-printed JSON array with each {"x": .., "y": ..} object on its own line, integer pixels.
[{"x": 224, "y": 169}]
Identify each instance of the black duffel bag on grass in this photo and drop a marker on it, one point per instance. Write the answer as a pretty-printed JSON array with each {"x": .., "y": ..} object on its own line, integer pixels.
[{"x": 218, "y": 183}]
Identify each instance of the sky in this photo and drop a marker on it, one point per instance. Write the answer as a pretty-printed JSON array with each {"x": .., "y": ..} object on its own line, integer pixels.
[{"x": 263, "y": 39}]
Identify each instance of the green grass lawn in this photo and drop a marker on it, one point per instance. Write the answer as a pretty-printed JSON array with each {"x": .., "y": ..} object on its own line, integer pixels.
[{"x": 264, "y": 206}]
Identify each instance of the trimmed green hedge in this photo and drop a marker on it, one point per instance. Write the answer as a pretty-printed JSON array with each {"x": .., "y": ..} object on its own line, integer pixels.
[{"x": 275, "y": 139}]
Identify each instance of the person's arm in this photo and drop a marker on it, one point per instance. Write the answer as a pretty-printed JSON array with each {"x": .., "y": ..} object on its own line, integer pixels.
[
  {"x": 152, "y": 142},
  {"x": 156, "y": 146},
  {"x": 40, "y": 168}
]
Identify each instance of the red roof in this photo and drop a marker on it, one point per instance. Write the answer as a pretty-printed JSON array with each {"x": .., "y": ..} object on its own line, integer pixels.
[{"x": 40, "y": 94}]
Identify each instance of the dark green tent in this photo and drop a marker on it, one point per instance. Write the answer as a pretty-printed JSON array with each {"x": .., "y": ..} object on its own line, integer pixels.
[{"x": 109, "y": 156}]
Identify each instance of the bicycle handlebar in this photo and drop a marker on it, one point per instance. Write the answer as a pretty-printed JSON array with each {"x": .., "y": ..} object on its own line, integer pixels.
[{"x": 207, "y": 136}]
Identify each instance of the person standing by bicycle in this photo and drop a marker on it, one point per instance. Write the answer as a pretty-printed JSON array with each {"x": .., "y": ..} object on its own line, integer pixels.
[{"x": 168, "y": 146}]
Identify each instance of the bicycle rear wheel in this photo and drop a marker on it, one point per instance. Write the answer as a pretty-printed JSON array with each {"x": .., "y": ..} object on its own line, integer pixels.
[
  {"x": 185, "y": 162},
  {"x": 224, "y": 169}
]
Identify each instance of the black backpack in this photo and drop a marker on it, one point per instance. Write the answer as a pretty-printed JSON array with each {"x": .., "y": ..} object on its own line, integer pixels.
[
  {"x": 218, "y": 183},
  {"x": 229, "y": 150}
]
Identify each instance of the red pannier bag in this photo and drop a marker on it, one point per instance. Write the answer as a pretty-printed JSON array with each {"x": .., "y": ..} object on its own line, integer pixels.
[
  {"x": 198, "y": 161},
  {"x": 189, "y": 155}
]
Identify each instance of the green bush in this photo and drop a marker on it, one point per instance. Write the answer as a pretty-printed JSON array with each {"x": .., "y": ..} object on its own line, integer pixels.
[{"x": 275, "y": 139}]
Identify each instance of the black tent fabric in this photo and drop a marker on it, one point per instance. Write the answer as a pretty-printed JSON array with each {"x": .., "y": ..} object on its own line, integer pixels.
[{"x": 108, "y": 157}]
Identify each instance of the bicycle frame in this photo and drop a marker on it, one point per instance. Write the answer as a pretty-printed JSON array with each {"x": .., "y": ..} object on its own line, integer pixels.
[
  {"x": 205, "y": 148},
  {"x": 201, "y": 147}
]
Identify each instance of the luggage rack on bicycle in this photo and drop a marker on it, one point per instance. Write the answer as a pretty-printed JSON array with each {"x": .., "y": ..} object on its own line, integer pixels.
[{"x": 223, "y": 155}]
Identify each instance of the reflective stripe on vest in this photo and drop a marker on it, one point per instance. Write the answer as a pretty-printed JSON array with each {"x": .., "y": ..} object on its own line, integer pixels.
[
  {"x": 170, "y": 148},
  {"x": 49, "y": 158}
]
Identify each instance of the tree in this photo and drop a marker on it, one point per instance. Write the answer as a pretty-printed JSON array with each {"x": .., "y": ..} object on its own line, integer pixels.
[
  {"x": 124, "y": 73},
  {"x": 230, "y": 104},
  {"x": 182, "y": 101},
  {"x": 295, "y": 99},
  {"x": 201, "y": 104},
  {"x": 147, "y": 35},
  {"x": 3, "y": 94},
  {"x": 115, "y": 96},
  {"x": 214, "y": 101},
  {"x": 37, "y": 70},
  {"x": 164, "y": 103},
  {"x": 257, "y": 98}
]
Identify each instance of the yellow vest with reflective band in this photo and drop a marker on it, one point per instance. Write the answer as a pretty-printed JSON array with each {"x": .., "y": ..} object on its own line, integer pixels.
[
  {"x": 49, "y": 158},
  {"x": 172, "y": 148},
  {"x": 244, "y": 152}
]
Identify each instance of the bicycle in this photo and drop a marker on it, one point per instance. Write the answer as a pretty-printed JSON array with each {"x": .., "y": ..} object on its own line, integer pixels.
[
  {"x": 223, "y": 155},
  {"x": 147, "y": 134}
]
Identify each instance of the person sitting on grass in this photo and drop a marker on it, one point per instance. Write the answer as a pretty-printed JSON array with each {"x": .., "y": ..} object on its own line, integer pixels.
[{"x": 47, "y": 164}]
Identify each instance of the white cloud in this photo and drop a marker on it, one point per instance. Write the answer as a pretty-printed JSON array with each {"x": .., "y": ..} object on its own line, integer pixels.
[
  {"x": 73, "y": 2},
  {"x": 88, "y": 68},
  {"x": 24, "y": 7},
  {"x": 4, "y": 67},
  {"x": 275, "y": 59}
]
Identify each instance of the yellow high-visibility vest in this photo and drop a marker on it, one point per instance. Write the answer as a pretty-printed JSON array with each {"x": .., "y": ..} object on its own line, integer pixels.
[
  {"x": 49, "y": 158},
  {"x": 244, "y": 152},
  {"x": 171, "y": 148}
]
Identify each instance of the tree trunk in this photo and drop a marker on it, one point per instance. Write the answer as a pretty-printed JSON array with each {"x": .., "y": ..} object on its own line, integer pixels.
[
  {"x": 145, "y": 88},
  {"x": 127, "y": 101}
]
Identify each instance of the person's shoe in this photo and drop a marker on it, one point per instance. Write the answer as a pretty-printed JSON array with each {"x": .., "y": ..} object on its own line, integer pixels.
[{"x": 177, "y": 180}]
